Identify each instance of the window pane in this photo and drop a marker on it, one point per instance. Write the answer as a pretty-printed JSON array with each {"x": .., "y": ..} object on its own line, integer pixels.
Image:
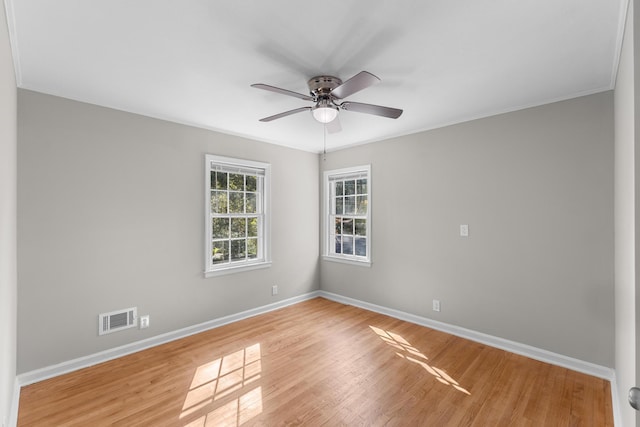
[
  {"x": 252, "y": 230},
  {"x": 251, "y": 202},
  {"x": 220, "y": 252},
  {"x": 238, "y": 227},
  {"x": 339, "y": 205},
  {"x": 348, "y": 210},
  {"x": 361, "y": 246},
  {"x": 236, "y": 202},
  {"x": 219, "y": 202},
  {"x": 347, "y": 245},
  {"x": 349, "y": 187},
  {"x": 220, "y": 228},
  {"x": 237, "y": 250},
  {"x": 347, "y": 226},
  {"x": 221, "y": 181},
  {"x": 350, "y": 205},
  {"x": 362, "y": 202},
  {"x": 251, "y": 183},
  {"x": 362, "y": 186},
  {"x": 239, "y": 215},
  {"x": 252, "y": 248},
  {"x": 236, "y": 182}
]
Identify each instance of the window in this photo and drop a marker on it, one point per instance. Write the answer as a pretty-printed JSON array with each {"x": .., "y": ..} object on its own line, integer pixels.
[
  {"x": 237, "y": 216},
  {"x": 348, "y": 214}
]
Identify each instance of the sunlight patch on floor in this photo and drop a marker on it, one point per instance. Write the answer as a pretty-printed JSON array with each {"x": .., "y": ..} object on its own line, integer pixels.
[
  {"x": 222, "y": 389},
  {"x": 413, "y": 355}
]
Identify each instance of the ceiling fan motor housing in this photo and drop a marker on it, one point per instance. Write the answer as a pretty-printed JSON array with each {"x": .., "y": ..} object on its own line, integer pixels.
[{"x": 321, "y": 86}]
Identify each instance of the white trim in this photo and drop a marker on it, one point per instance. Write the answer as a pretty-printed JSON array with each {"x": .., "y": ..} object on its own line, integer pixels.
[
  {"x": 236, "y": 162},
  {"x": 468, "y": 118},
  {"x": 236, "y": 269},
  {"x": 103, "y": 356},
  {"x": 347, "y": 171},
  {"x": 501, "y": 343},
  {"x": 13, "y": 411},
  {"x": 622, "y": 20},
  {"x": 615, "y": 402},
  {"x": 511, "y": 346},
  {"x": 346, "y": 260},
  {"x": 13, "y": 40},
  {"x": 264, "y": 248},
  {"x": 327, "y": 213}
]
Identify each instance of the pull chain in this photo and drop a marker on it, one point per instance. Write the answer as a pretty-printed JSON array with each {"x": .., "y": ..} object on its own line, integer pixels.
[{"x": 324, "y": 141}]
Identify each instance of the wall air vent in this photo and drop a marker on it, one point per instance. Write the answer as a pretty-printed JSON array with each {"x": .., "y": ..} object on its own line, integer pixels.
[{"x": 117, "y": 320}]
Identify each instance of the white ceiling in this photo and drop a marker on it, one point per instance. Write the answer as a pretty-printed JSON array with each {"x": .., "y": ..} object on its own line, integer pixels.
[{"x": 192, "y": 61}]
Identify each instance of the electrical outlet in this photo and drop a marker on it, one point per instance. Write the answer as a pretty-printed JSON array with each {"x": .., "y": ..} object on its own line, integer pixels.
[
  {"x": 464, "y": 230},
  {"x": 274, "y": 290},
  {"x": 144, "y": 322},
  {"x": 436, "y": 305}
]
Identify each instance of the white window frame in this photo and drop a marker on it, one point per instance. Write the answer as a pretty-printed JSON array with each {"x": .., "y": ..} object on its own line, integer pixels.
[
  {"x": 263, "y": 259},
  {"x": 329, "y": 215}
]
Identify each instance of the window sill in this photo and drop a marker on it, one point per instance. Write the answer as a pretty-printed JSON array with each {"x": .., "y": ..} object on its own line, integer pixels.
[
  {"x": 347, "y": 261},
  {"x": 237, "y": 269}
]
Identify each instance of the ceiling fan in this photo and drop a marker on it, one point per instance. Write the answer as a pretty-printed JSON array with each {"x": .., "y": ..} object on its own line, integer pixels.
[{"x": 328, "y": 92}]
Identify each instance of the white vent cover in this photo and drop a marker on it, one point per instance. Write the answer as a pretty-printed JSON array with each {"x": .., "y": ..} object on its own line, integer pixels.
[{"x": 117, "y": 320}]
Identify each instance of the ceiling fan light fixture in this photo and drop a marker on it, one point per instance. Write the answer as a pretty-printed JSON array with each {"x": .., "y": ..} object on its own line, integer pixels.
[
  {"x": 328, "y": 93},
  {"x": 324, "y": 112}
]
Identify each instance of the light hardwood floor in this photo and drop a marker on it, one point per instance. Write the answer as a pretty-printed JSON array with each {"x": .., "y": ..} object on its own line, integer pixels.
[{"x": 319, "y": 363}]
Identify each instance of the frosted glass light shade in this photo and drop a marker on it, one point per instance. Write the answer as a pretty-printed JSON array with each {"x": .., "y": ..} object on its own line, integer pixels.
[{"x": 324, "y": 114}]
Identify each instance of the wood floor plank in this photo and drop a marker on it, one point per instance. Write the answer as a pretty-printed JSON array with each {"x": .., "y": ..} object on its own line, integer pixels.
[{"x": 319, "y": 363}]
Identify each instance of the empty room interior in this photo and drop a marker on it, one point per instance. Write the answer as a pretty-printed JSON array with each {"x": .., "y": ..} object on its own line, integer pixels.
[{"x": 344, "y": 213}]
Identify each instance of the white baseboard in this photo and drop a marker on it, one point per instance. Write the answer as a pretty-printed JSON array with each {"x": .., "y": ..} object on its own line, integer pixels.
[
  {"x": 15, "y": 401},
  {"x": 501, "y": 343},
  {"x": 616, "y": 402},
  {"x": 103, "y": 356}
]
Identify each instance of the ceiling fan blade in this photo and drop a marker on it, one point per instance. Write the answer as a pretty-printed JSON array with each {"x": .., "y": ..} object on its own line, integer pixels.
[
  {"x": 360, "y": 81},
  {"x": 334, "y": 125},
  {"x": 392, "y": 113},
  {"x": 282, "y": 91},
  {"x": 285, "y": 114}
]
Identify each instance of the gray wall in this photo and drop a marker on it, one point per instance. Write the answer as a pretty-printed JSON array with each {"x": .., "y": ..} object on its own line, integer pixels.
[
  {"x": 535, "y": 187},
  {"x": 110, "y": 211},
  {"x": 625, "y": 218},
  {"x": 110, "y": 208},
  {"x": 8, "y": 278}
]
